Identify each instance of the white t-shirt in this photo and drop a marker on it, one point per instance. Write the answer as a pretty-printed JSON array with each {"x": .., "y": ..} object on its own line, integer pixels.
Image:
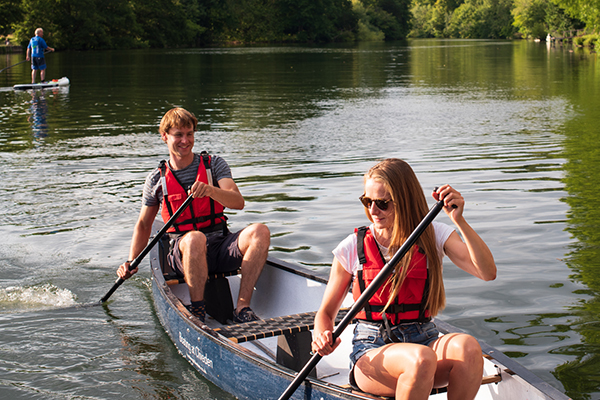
[{"x": 347, "y": 254}]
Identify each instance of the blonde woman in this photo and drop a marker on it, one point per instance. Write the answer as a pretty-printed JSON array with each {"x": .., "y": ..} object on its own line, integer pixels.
[{"x": 396, "y": 348}]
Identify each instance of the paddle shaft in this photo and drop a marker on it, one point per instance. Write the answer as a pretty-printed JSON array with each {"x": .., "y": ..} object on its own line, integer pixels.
[
  {"x": 379, "y": 280},
  {"x": 20, "y": 62},
  {"x": 133, "y": 265}
]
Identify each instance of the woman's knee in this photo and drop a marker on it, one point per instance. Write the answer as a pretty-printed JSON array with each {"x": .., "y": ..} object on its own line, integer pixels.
[{"x": 420, "y": 361}]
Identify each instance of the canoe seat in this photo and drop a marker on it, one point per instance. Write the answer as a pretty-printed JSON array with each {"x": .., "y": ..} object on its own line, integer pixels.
[
  {"x": 293, "y": 336},
  {"x": 264, "y": 328}
]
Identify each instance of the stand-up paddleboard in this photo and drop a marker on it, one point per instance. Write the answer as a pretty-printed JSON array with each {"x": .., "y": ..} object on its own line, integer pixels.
[{"x": 64, "y": 81}]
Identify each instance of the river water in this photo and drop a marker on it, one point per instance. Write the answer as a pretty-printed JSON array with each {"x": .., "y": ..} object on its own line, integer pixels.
[{"x": 514, "y": 126}]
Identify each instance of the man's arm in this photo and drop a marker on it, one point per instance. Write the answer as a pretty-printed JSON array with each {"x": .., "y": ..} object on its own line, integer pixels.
[
  {"x": 227, "y": 193},
  {"x": 139, "y": 240}
]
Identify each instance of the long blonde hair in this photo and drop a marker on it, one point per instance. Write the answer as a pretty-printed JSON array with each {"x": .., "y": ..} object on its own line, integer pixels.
[{"x": 410, "y": 208}]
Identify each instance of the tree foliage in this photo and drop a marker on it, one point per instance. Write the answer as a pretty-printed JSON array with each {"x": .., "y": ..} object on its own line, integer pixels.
[
  {"x": 391, "y": 18},
  {"x": 537, "y": 18},
  {"x": 103, "y": 24},
  {"x": 587, "y": 11},
  {"x": 109, "y": 24},
  {"x": 10, "y": 13}
]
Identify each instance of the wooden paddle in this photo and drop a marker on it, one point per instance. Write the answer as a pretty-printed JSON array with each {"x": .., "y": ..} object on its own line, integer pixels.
[
  {"x": 149, "y": 247},
  {"x": 379, "y": 280}
]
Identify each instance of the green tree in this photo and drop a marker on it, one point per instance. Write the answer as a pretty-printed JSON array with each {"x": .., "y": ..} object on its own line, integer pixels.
[
  {"x": 587, "y": 11},
  {"x": 537, "y": 18},
  {"x": 431, "y": 18},
  {"x": 484, "y": 19},
  {"x": 392, "y": 17},
  {"x": 10, "y": 13},
  {"x": 80, "y": 24},
  {"x": 317, "y": 20}
]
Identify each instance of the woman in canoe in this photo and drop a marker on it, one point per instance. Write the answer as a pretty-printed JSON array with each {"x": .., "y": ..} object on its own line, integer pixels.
[{"x": 396, "y": 348}]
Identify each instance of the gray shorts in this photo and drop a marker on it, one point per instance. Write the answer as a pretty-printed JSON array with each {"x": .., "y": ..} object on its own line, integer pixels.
[{"x": 222, "y": 254}]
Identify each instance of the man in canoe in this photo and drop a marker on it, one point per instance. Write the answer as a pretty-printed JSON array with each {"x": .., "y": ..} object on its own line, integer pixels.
[
  {"x": 35, "y": 52},
  {"x": 201, "y": 242},
  {"x": 396, "y": 348}
]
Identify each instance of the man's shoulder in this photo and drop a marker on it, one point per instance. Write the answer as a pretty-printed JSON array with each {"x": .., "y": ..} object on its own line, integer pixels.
[{"x": 154, "y": 174}]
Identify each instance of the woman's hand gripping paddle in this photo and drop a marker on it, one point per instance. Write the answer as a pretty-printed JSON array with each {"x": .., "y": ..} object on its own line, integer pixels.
[
  {"x": 134, "y": 264},
  {"x": 366, "y": 295}
]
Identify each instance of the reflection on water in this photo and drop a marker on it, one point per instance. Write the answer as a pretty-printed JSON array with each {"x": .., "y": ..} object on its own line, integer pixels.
[
  {"x": 581, "y": 181},
  {"x": 39, "y": 113},
  {"x": 510, "y": 124}
]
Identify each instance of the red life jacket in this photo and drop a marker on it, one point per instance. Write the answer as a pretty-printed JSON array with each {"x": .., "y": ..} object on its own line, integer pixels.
[
  {"x": 410, "y": 304},
  {"x": 204, "y": 214}
]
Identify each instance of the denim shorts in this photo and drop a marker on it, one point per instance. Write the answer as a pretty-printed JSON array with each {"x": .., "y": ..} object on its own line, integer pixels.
[{"x": 367, "y": 336}]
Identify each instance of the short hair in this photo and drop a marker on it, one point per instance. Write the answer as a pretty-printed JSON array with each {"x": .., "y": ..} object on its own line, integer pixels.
[
  {"x": 177, "y": 118},
  {"x": 38, "y": 30}
]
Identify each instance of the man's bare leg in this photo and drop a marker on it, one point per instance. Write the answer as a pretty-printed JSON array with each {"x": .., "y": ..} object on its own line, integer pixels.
[{"x": 254, "y": 242}]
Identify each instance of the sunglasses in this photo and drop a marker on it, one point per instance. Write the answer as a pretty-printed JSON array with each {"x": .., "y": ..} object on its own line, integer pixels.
[{"x": 380, "y": 203}]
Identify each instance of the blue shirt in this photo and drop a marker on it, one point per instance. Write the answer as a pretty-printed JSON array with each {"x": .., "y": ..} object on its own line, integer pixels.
[{"x": 37, "y": 46}]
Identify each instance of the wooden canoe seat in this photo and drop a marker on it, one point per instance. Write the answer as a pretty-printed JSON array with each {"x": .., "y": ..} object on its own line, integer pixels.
[
  {"x": 264, "y": 328},
  {"x": 293, "y": 336}
]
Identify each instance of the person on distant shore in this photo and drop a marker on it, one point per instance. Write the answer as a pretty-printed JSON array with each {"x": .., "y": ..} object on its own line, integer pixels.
[
  {"x": 201, "y": 242},
  {"x": 35, "y": 52},
  {"x": 397, "y": 350}
]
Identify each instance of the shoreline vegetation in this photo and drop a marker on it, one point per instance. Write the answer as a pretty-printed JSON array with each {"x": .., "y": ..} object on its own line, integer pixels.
[{"x": 131, "y": 24}]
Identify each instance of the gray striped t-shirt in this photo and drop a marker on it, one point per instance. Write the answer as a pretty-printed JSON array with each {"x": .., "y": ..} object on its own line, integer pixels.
[{"x": 153, "y": 193}]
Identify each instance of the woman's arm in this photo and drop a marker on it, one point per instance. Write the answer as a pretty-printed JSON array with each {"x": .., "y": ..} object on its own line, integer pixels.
[
  {"x": 335, "y": 293},
  {"x": 472, "y": 255}
]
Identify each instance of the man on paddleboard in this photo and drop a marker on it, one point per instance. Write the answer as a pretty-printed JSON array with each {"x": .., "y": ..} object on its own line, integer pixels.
[
  {"x": 35, "y": 52},
  {"x": 200, "y": 241}
]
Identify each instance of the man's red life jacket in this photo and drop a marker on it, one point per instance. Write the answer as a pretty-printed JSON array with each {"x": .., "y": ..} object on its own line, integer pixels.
[
  {"x": 204, "y": 214},
  {"x": 409, "y": 306}
]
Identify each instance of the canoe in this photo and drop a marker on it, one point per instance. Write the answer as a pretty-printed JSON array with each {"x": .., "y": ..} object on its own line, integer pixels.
[
  {"x": 64, "y": 81},
  {"x": 259, "y": 360}
]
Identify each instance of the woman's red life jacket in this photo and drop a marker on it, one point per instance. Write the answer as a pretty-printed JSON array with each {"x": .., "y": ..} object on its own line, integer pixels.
[
  {"x": 203, "y": 214},
  {"x": 410, "y": 304}
]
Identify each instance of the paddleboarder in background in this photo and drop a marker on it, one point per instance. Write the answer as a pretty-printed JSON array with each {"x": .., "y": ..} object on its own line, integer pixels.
[
  {"x": 396, "y": 349},
  {"x": 201, "y": 242},
  {"x": 35, "y": 52}
]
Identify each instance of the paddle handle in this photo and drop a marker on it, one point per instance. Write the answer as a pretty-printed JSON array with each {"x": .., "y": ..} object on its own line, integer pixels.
[
  {"x": 134, "y": 264},
  {"x": 379, "y": 280}
]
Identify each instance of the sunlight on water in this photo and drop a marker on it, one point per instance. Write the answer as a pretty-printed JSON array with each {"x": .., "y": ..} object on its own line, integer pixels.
[{"x": 17, "y": 298}]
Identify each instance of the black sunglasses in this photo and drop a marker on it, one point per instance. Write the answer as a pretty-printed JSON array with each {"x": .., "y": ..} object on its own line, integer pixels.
[{"x": 380, "y": 203}]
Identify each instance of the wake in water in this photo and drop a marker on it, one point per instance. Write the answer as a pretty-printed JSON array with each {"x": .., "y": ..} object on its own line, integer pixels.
[{"x": 30, "y": 298}]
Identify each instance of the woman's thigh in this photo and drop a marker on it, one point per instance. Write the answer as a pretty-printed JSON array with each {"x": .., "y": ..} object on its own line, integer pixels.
[{"x": 379, "y": 370}]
